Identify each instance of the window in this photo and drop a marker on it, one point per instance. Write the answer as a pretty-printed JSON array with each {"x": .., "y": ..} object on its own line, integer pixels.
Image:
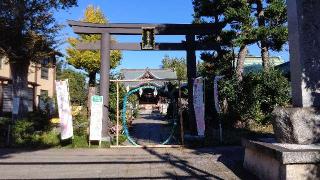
[{"x": 45, "y": 69}]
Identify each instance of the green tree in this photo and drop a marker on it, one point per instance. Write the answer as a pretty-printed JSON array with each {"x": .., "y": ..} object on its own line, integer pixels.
[
  {"x": 238, "y": 14},
  {"x": 77, "y": 84},
  {"x": 28, "y": 34},
  {"x": 178, "y": 65},
  {"x": 89, "y": 60},
  {"x": 272, "y": 31},
  {"x": 220, "y": 60}
]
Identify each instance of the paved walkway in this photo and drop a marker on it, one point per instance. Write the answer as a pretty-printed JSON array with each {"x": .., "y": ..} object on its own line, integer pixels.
[
  {"x": 151, "y": 129},
  {"x": 123, "y": 163}
]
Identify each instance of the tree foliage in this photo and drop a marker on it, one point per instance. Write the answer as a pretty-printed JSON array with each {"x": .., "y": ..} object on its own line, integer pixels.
[
  {"x": 28, "y": 29},
  {"x": 238, "y": 24},
  {"x": 89, "y": 60},
  {"x": 178, "y": 65},
  {"x": 220, "y": 60},
  {"x": 256, "y": 96},
  {"x": 77, "y": 85},
  {"x": 271, "y": 26},
  {"x": 28, "y": 33}
]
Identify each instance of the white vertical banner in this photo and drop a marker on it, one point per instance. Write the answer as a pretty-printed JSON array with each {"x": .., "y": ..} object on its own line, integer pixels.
[
  {"x": 96, "y": 118},
  {"x": 64, "y": 107},
  {"x": 198, "y": 103}
]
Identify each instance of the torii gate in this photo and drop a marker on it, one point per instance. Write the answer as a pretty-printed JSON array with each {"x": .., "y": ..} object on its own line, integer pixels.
[{"x": 105, "y": 45}]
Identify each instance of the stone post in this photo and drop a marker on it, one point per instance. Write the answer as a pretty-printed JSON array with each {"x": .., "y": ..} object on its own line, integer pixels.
[
  {"x": 300, "y": 124},
  {"x": 304, "y": 44}
]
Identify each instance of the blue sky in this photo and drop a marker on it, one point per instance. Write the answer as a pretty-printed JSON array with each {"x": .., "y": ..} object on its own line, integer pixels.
[{"x": 141, "y": 11}]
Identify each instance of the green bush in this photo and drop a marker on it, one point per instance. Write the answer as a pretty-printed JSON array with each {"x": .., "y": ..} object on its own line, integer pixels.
[
  {"x": 256, "y": 96},
  {"x": 80, "y": 142},
  {"x": 4, "y": 122},
  {"x": 80, "y": 124},
  {"x": 51, "y": 138},
  {"x": 122, "y": 139},
  {"x": 40, "y": 120},
  {"x": 23, "y": 133}
]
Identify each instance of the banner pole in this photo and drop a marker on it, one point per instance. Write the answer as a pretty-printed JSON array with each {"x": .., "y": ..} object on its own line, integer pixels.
[{"x": 117, "y": 128}]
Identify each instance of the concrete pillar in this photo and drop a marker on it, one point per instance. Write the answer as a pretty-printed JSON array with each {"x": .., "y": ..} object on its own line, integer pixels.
[
  {"x": 304, "y": 45},
  {"x": 105, "y": 83},
  {"x": 191, "y": 74}
]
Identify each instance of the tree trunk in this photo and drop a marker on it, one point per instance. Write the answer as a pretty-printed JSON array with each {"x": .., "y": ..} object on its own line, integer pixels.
[
  {"x": 91, "y": 90},
  {"x": 19, "y": 75},
  {"x": 265, "y": 57},
  {"x": 240, "y": 61},
  {"x": 264, "y": 45}
]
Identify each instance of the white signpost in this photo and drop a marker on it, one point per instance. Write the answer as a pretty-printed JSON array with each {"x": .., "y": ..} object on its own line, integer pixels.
[
  {"x": 198, "y": 102},
  {"x": 96, "y": 119},
  {"x": 63, "y": 100}
]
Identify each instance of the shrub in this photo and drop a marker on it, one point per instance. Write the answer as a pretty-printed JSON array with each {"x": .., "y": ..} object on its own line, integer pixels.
[
  {"x": 79, "y": 141},
  {"x": 122, "y": 139},
  {"x": 80, "y": 124},
  {"x": 40, "y": 120},
  {"x": 256, "y": 96},
  {"x": 4, "y": 122},
  {"x": 23, "y": 133},
  {"x": 51, "y": 138}
]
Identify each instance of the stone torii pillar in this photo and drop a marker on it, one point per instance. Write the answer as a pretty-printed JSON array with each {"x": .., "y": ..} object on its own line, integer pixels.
[
  {"x": 105, "y": 83},
  {"x": 300, "y": 124},
  {"x": 191, "y": 75}
]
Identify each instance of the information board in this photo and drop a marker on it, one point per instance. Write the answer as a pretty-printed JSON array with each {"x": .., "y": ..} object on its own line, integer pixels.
[{"x": 96, "y": 118}]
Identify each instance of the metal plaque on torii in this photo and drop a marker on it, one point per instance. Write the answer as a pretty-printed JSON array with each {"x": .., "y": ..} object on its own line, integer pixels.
[{"x": 148, "y": 38}]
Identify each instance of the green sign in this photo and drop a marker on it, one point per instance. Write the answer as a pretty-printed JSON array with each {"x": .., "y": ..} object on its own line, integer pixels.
[
  {"x": 148, "y": 40},
  {"x": 96, "y": 98}
]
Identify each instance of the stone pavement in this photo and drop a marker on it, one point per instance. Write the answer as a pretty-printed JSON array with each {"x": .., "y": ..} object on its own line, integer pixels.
[
  {"x": 151, "y": 129},
  {"x": 123, "y": 163}
]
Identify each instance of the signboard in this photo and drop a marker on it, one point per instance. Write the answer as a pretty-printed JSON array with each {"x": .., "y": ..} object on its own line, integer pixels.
[
  {"x": 198, "y": 103},
  {"x": 63, "y": 100},
  {"x": 148, "y": 41},
  {"x": 96, "y": 118}
]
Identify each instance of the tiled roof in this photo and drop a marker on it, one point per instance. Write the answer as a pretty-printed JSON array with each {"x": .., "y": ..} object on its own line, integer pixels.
[
  {"x": 134, "y": 74},
  {"x": 254, "y": 63}
]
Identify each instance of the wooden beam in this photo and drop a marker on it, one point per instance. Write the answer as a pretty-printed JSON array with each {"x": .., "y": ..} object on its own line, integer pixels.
[
  {"x": 137, "y": 47},
  {"x": 136, "y": 29}
]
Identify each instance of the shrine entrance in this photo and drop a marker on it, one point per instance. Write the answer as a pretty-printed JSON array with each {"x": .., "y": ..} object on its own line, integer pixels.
[{"x": 148, "y": 32}]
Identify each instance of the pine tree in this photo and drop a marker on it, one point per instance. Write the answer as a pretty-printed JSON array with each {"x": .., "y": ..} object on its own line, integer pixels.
[
  {"x": 220, "y": 61},
  {"x": 239, "y": 16},
  {"x": 272, "y": 31}
]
